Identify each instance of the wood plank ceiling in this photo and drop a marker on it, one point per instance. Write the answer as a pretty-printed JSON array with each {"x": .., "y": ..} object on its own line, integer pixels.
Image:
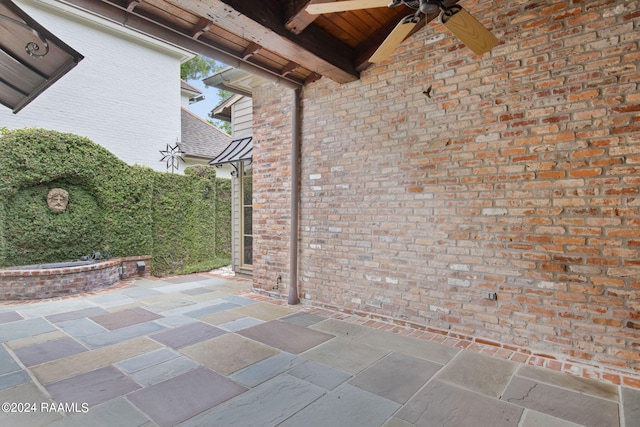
[{"x": 276, "y": 36}]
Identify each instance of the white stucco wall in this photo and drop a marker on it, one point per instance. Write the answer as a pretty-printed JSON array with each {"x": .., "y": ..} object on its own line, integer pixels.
[
  {"x": 184, "y": 100},
  {"x": 124, "y": 95}
]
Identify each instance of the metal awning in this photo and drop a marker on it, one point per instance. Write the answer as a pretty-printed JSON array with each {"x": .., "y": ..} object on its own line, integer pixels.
[
  {"x": 31, "y": 58},
  {"x": 236, "y": 151}
]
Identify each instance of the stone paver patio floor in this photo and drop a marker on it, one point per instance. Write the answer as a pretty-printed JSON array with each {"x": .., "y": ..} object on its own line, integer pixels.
[{"x": 201, "y": 350}]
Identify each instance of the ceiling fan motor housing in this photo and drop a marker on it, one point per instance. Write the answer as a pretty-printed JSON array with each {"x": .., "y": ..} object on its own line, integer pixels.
[
  {"x": 428, "y": 7},
  {"x": 413, "y": 4}
]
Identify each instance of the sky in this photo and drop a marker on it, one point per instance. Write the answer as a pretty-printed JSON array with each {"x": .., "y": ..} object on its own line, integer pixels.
[{"x": 211, "y": 99}]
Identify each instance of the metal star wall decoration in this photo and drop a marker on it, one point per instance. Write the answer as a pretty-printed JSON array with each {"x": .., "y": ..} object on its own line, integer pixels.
[{"x": 172, "y": 155}]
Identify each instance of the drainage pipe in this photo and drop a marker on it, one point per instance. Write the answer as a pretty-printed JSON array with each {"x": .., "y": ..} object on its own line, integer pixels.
[{"x": 295, "y": 196}]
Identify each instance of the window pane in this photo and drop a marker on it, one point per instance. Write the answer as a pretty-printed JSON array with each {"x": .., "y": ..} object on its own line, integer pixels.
[
  {"x": 246, "y": 180},
  {"x": 248, "y": 250},
  {"x": 247, "y": 186},
  {"x": 248, "y": 220}
]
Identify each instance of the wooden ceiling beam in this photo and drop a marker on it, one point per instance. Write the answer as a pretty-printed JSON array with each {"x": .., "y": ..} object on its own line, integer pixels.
[
  {"x": 297, "y": 18},
  {"x": 257, "y": 22},
  {"x": 202, "y": 26},
  {"x": 289, "y": 68},
  {"x": 312, "y": 78},
  {"x": 115, "y": 10},
  {"x": 251, "y": 50}
]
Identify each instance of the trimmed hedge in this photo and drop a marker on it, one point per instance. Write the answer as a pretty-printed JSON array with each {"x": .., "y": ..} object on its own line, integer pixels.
[
  {"x": 113, "y": 208},
  {"x": 223, "y": 218},
  {"x": 35, "y": 233}
]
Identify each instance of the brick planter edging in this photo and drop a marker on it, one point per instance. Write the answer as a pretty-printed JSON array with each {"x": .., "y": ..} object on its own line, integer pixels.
[{"x": 56, "y": 282}]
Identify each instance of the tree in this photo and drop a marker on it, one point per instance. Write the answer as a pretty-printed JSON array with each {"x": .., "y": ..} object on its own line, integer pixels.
[
  {"x": 222, "y": 125},
  {"x": 199, "y": 68}
]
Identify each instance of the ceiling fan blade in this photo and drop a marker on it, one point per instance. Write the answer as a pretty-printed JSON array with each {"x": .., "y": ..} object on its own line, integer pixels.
[
  {"x": 343, "y": 6},
  {"x": 393, "y": 40},
  {"x": 467, "y": 28}
]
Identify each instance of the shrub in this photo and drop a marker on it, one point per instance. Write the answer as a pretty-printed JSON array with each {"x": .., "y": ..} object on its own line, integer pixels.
[{"x": 113, "y": 208}]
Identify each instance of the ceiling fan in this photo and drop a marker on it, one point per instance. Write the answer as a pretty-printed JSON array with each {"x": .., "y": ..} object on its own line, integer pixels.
[{"x": 470, "y": 32}]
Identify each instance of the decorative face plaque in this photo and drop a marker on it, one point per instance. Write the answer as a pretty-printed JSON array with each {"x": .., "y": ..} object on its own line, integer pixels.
[{"x": 57, "y": 199}]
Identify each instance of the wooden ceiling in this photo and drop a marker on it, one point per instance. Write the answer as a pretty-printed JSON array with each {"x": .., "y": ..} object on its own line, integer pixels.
[{"x": 275, "y": 36}]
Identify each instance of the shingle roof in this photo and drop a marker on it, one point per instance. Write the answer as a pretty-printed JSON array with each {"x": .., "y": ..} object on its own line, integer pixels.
[
  {"x": 200, "y": 138},
  {"x": 186, "y": 86},
  {"x": 222, "y": 111}
]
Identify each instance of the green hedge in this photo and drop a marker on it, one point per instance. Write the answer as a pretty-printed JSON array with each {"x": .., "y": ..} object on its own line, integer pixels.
[
  {"x": 223, "y": 218},
  {"x": 113, "y": 208}
]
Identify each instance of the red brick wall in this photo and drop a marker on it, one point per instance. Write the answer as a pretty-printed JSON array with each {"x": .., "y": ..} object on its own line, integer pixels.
[
  {"x": 58, "y": 282},
  {"x": 271, "y": 185},
  {"x": 520, "y": 176}
]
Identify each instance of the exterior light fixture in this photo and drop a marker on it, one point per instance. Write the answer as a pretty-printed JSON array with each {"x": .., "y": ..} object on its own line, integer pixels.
[
  {"x": 140, "y": 266},
  {"x": 31, "y": 58}
]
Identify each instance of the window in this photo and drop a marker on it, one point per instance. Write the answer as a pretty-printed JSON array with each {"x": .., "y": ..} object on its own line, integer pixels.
[{"x": 246, "y": 210}]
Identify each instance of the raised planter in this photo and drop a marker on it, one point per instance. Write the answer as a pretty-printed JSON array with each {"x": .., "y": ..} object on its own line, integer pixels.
[{"x": 54, "y": 280}]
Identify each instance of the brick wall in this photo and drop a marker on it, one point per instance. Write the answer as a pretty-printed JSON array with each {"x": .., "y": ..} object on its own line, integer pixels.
[
  {"x": 272, "y": 189},
  {"x": 520, "y": 175},
  {"x": 30, "y": 284}
]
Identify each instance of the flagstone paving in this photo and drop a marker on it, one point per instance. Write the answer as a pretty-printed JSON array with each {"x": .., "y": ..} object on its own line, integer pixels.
[
  {"x": 128, "y": 317},
  {"x": 202, "y": 350},
  {"x": 188, "y": 334},
  {"x": 51, "y": 350}
]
